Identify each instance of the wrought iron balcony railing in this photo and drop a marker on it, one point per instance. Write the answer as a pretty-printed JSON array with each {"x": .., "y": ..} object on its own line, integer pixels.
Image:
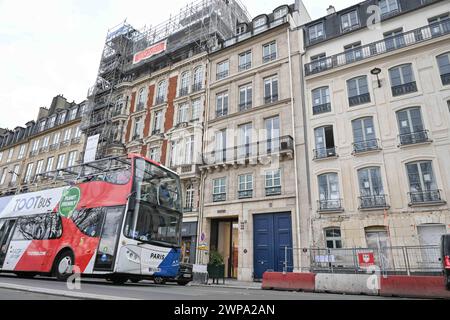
[
  {"x": 269, "y": 57},
  {"x": 424, "y": 197},
  {"x": 368, "y": 51},
  {"x": 366, "y": 146},
  {"x": 220, "y": 197},
  {"x": 325, "y": 153},
  {"x": 245, "y": 66},
  {"x": 322, "y": 108},
  {"x": 358, "y": 100},
  {"x": 445, "y": 79},
  {"x": 271, "y": 99},
  {"x": 245, "y": 194},
  {"x": 330, "y": 205},
  {"x": 222, "y": 113},
  {"x": 273, "y": 191},
  {"x": 222, "y": 75},
  {"x": 414, "y": 138},
  {"x": 243, "y": 106},
  {"x": 373, "y": 202},
  {"x": 404, "y": 89},
  {"x": 197, "y": 87}
]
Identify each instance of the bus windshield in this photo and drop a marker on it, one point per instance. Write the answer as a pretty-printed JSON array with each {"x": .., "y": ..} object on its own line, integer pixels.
[{"x": 156, "y": 217}]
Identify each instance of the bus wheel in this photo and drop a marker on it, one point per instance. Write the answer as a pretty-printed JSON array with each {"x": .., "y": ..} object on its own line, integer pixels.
[{"x": 63, "y": 265}]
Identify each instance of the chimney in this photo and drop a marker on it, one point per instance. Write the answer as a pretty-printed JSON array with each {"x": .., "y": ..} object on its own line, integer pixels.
[{"x": 331, "y": 10}]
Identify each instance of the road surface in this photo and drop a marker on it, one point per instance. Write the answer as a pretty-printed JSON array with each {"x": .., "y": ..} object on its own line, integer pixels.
[{"x": 40, "y": 288}]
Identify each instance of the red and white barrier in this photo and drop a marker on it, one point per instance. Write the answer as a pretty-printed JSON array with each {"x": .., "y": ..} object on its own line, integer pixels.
[{"x": 290, "y": 281}]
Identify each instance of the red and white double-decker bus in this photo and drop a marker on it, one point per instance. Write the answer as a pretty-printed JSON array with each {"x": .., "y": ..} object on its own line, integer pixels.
[{"x": 118, "y": 218}]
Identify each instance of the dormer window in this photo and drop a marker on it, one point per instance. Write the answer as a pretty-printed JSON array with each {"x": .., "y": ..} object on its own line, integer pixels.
[
  {"x": 349, "y": 21},
  {"x": 259, "y": 22},
  {"x": 42, "y": 125},
  {"x": 280, "y": 13},
  {"x": 241, "y": 29}
]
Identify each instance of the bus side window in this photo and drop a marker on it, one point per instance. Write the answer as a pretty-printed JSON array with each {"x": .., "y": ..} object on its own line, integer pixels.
[
  {"x": 42, "y": 227},
  {"x": 89, "y": 221}
]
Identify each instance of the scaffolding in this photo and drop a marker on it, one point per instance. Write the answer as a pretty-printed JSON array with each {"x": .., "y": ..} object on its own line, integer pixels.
[{"x": 200, "y": 26}]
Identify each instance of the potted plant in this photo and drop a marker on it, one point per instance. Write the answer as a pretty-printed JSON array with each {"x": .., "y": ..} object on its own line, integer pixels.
[{"x": 216, "y": 266}]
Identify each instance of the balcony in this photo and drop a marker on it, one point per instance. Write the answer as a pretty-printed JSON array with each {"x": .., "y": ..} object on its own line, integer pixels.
[
  {"x": 245, "y": 66},
  {"x": 445, "y": 79},
  {"x": 366, "y": 146},
  {"x": 54, "y": 146},
  {"x": 247, "y": 105},
  {"x": 222, "y": 75},
  {"x": 271, "y": 99},
  {"x": 64, "y": 143},
  {"x": 75, "y": 140},
  {"x": 245, "y": 194},
  {"x": 252, "y": 152},
  {"x": 322, "y": 108},
  {"x": 183, "y": 92},
  {"x": 330, "y": 205},
  {"x": 34, "y": 153},
  {"x": 414, "y": 138},
  {"x": 358, "y": 100},
  {"x": 269, "y": 57},
  {"x": 273, "y": 191},
  {"x": 426, "y": 197},
  {"x": 404, "y": 89},
  {"x": 196, "y": 87},
  {"x": 221, "y": 113},
  {"x": 156, "y": 132},
  {"x": 190, "y": 210},
  {"x": 220, "y": 197},
  {"x": 396, "y": 42},
  {"x": 43, "y": 150},
  {"x": 373, "y": 202},
  {"x": 325, "y": 153}
]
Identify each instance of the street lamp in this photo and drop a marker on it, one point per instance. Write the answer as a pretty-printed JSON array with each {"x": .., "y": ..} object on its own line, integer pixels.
[{"x": 376, "y": 72}]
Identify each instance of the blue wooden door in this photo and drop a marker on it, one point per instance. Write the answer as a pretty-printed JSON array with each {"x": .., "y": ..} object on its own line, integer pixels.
[{"x": 272, "y": 234}]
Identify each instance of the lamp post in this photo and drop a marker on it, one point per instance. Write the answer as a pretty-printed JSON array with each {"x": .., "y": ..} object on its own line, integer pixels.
[{"x": 376, "y": 72}]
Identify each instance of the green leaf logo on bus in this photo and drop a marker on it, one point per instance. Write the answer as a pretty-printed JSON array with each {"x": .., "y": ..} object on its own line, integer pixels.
[{"x": 69, "y": 202}]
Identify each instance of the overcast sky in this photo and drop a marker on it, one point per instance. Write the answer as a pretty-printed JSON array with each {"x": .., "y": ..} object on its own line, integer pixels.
[{"x": 51, "y": 47}]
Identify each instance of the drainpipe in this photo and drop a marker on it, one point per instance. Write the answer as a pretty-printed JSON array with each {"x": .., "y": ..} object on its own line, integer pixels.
[{"x": 297, "y": 202}]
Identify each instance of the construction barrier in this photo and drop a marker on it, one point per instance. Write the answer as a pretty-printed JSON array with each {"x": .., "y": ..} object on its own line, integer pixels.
[
  {"x": 289, "y": 281},
  {"x": 347, "y": 283},
  {"x": 414, "y": 287}
]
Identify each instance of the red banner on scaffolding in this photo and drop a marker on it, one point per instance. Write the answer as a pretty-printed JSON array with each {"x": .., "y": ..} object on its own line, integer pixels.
[{"x": 150, "y": 51}]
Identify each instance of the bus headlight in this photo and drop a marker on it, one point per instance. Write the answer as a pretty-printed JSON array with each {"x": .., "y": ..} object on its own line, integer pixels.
[{"x": 132, "y": 256}]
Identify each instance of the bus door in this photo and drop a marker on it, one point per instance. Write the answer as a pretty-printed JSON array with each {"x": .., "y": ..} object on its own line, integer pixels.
[
  {"x": 6, "y": 229},
  {"x": 107, "y": 249}
]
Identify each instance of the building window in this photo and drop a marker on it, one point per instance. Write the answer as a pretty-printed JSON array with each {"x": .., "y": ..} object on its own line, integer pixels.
[
  {"x": 353, "y": 52},
  {"x": 316, "y": 32},
  {"x": 49, "y": 166},
  {"x": 35, "y": 148},
  {"x": 358, "y": 91},
  {"x": 45, "y": 143},
  {"x": 273, "y": 183},
  {"x": 141, "y": 100},
  {"x": 73, "y": 114},
  {"x": 349, "y": 21},
  {"x": 52, "y": 122},
  {"x": 176, "y": 154},
  {"x": 222, "y": 104},
  {"x": 39, "y": 167},
  {"x": 439, "y": 25},
  {"x": 329, "y": 194},
  {"x": 241, "y": 29},
  {"x": 394, "y": 40},
  {"x": 3, "y": 177},
  {"x": 21, "y": 152},
  {"x": 259, "y": 22},
  {"x": 28, "y": 173},
  {"x": 77, "y": 132},
  {"x": 62, "y": 118},
  {"x": 221, "y": 145},
  {"x": 280, "y": 13},
  {"x": 245, "y": 140},
  {"x": 198, "y": 79},
  {"x": 219, "y": 190},
  {"x": 67, "y": 134},
  {"x": 223, "y": 70},
  {"x": 137, "y": 131},
  {"x": 364, "y": 135},
  {"x": 325, "y": 143},
  {"x": 10, "y": 155},
  {"x": 157, "y": 123},
  {"x": 15, "y": 173},
  {"x": 269, "y": 52},
  {"x": 333, "y": 238},
  {"x": 1, "y": 156},
  {"x": 272, "y": 126},
  {"x": 42, "y": 125},
  {"x": 371, "y": 188},
  {"x": 154, "y": 154},
  {"x": 321, "y": 100},
  {"x": 402, "y": 80},
  {"x": 245, "y": 186},
  {"x": 72, "y": 159},
  {"x": 60, "y": 163},
  {"x": 444, "y": 68},
  {"x": 196, "y": 109},
  {"x": 271, "y": 94},
  {"x": 161, "y": 93},
  {"x": 388, "y": 7},
  {"x": 183, "y": 113},
  {"x": 190, "y": 191},
  {"x": 245, "y": 97},
  {"x": 189, "y": 150},
  {"x": 184, "y": 85},
  {"x": 422, "y": 183},
  {"x": 412, "y": 129},
  {"x": 245, "y": 60}
]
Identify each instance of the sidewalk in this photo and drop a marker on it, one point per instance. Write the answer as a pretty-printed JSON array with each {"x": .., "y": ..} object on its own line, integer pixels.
[{"x": 230, "y": 283}]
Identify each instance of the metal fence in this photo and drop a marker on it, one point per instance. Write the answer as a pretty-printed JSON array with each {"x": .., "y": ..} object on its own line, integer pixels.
[{"x": 413, "y": 260}]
